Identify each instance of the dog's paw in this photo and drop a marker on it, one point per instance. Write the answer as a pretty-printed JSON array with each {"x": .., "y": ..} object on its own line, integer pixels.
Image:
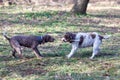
[
  {"x": 39, "y": 57},
  {"x": 91, "y": 58},
  {"x": 68, "y": 57}
]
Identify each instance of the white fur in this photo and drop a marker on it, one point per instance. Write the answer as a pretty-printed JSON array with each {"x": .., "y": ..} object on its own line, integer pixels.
[{"x": 87, "y": 42}]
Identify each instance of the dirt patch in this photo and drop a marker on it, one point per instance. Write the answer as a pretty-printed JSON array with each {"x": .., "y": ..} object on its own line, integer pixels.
[{"x": 28, "y": 67}]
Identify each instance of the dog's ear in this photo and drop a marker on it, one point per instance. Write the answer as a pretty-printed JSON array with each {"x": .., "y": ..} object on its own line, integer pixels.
[
  {"x": 43, "y": 39},
  {"x": 69, "y": 36},
  {"x": 47, "y": 38}
]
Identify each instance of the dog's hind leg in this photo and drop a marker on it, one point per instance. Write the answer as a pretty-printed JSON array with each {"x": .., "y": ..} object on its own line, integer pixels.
[
  {"x": 19, "y": 51},
  {"x": 13, "y": 53},
  {"x": 17, "y": 48},
  {"x": 96, "y": 49},
  {"x": 95, "y": 52}
]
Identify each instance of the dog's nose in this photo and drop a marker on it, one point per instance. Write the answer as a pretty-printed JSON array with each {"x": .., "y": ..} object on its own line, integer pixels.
[
  {"x": 53, "y": 39},
  {"x": 62, "y": 39}
]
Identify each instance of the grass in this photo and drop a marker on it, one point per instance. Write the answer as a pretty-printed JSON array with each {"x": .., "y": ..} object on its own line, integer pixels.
[{"x": 55, "y": 66}]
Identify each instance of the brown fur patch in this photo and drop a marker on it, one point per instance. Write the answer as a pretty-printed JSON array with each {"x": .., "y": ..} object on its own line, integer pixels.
[
  {"x": 70, "y": 37},
  {"x": 47, "y": 38},
  {"x": 81, "y": 40},
  {"x": 101, "y": 37},
  {"x": 93, "y": 36}
]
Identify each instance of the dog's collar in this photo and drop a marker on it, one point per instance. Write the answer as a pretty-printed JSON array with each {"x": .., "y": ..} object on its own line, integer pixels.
[{"x": 40, "y": 39}]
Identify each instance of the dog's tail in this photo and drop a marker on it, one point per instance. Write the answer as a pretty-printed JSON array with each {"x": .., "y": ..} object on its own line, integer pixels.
[
  {"x": 106, "y": 36},
  {"x": 4, "y": 34}
]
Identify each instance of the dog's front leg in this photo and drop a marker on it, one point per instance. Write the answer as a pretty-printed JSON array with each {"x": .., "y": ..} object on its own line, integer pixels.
[
  {"x": 95, "y": 52},
  {"x": 74, "y": 48},
  {"x": 37, "y": 53}
]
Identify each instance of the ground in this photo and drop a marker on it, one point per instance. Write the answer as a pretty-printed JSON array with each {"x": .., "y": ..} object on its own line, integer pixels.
[{"x": 102, "y": 17}]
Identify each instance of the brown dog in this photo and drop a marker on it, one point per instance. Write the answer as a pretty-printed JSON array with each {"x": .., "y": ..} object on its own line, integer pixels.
[{"x": 28, "y": 41}]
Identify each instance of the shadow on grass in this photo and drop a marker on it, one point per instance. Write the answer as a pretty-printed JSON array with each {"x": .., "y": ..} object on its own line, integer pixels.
[
  {"x": 6, "y": 58},
  {"x": 53, "y": 18},
  {"x": 84, "y": 76},
  {"x": 78, "y": 76},
  {"x": 33, "y": 66},
  {"x": 88, "y": 53},
  {"x": 52, "y": 55},
  {"x": 25, "y": 67},
  {"x": 45, "y": 18},
  {"x": 105, "y": 16}
]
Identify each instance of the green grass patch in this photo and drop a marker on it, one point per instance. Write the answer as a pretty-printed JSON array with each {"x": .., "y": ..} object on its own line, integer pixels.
[{"x": 55, "y": 65}]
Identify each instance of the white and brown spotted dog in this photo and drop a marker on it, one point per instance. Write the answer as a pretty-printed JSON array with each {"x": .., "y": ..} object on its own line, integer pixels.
[{"x": 82, "y": 40}]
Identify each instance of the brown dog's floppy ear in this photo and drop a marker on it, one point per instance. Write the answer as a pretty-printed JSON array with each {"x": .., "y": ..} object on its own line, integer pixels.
[
  {"x": 47, "y": 38},
  {"x": 43, "y": 39}
]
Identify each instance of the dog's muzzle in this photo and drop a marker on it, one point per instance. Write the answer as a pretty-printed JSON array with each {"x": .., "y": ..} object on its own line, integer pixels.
[
  {"x": 64, "y": 40},
  {"x": 52, "y": 40}
]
